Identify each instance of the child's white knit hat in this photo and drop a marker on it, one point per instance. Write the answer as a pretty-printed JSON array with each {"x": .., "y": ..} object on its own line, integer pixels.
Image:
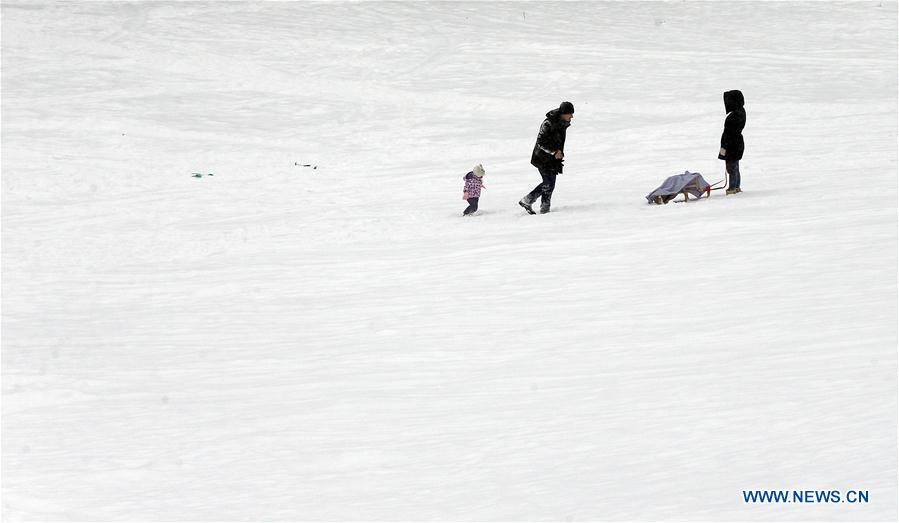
[{"x": 478, "y": 171}]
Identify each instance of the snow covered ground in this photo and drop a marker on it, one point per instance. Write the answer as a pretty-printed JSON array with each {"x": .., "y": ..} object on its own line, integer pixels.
[{"x": 277, "y": 342}]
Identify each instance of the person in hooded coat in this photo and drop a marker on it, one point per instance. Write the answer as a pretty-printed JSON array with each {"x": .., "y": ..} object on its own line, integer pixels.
[
  {"x": 548, "y": 156},
  {"x": 732, "y": 139}
]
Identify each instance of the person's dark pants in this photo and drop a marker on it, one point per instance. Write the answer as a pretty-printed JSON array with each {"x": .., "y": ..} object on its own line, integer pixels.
[
  {"x": 472, "y": 206},
  {"x": 543, "y": 191},
  {"x": 733, "y": 174}
]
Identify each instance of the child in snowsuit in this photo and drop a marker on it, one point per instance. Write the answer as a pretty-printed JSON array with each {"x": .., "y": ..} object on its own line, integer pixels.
[{"x": 472, "y": 190}]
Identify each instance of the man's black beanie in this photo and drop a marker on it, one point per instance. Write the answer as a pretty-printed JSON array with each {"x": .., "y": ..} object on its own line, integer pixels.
[{"x": 566, "y": 108}]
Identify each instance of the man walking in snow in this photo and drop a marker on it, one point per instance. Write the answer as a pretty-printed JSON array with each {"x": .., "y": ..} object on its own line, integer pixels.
[
  {"x": 732, "y": 139},
  {"x": 548, "y": 155}
]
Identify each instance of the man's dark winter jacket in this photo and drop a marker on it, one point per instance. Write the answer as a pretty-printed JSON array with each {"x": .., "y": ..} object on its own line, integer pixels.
[
  {"x": 550, "y": 139},
  {"x": 732, "y": 137}
]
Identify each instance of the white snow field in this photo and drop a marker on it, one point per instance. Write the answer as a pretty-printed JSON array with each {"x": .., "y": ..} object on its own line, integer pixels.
[{"x": 277, "y": 342}]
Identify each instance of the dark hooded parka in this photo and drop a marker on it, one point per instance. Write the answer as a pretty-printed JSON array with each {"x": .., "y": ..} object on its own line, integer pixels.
[
  {"x": 732, "y": 137},
  {"x": 550, "y": 138}
]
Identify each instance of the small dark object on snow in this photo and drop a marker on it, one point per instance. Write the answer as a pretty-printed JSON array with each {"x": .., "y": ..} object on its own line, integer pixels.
[
  {"x": 686, "y": 184},
  {"x": 314, "y": 167},
  {"x": 200, "y": 175}
]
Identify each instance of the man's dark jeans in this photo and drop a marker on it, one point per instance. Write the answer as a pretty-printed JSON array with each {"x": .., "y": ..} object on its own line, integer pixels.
[{"x": 544, "y": 190}]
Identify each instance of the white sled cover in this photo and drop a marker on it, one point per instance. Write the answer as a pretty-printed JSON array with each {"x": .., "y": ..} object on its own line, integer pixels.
[{"x": 692, "y": 183}]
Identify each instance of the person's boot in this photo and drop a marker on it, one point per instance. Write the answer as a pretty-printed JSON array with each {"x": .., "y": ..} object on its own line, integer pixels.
[
  {"x": 527, "y": 205},
  {"x": 730, "y": 191}
]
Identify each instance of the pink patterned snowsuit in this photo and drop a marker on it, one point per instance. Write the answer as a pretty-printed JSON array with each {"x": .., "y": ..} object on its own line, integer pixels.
[{"x": 473, "y": 186}]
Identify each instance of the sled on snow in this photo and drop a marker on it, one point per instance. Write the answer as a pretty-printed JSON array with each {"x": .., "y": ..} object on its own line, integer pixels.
[{"x": 686, "y": 184}]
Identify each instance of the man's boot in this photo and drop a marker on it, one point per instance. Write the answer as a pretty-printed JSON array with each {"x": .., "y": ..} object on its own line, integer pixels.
[{"x": 527, "y": 205}]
